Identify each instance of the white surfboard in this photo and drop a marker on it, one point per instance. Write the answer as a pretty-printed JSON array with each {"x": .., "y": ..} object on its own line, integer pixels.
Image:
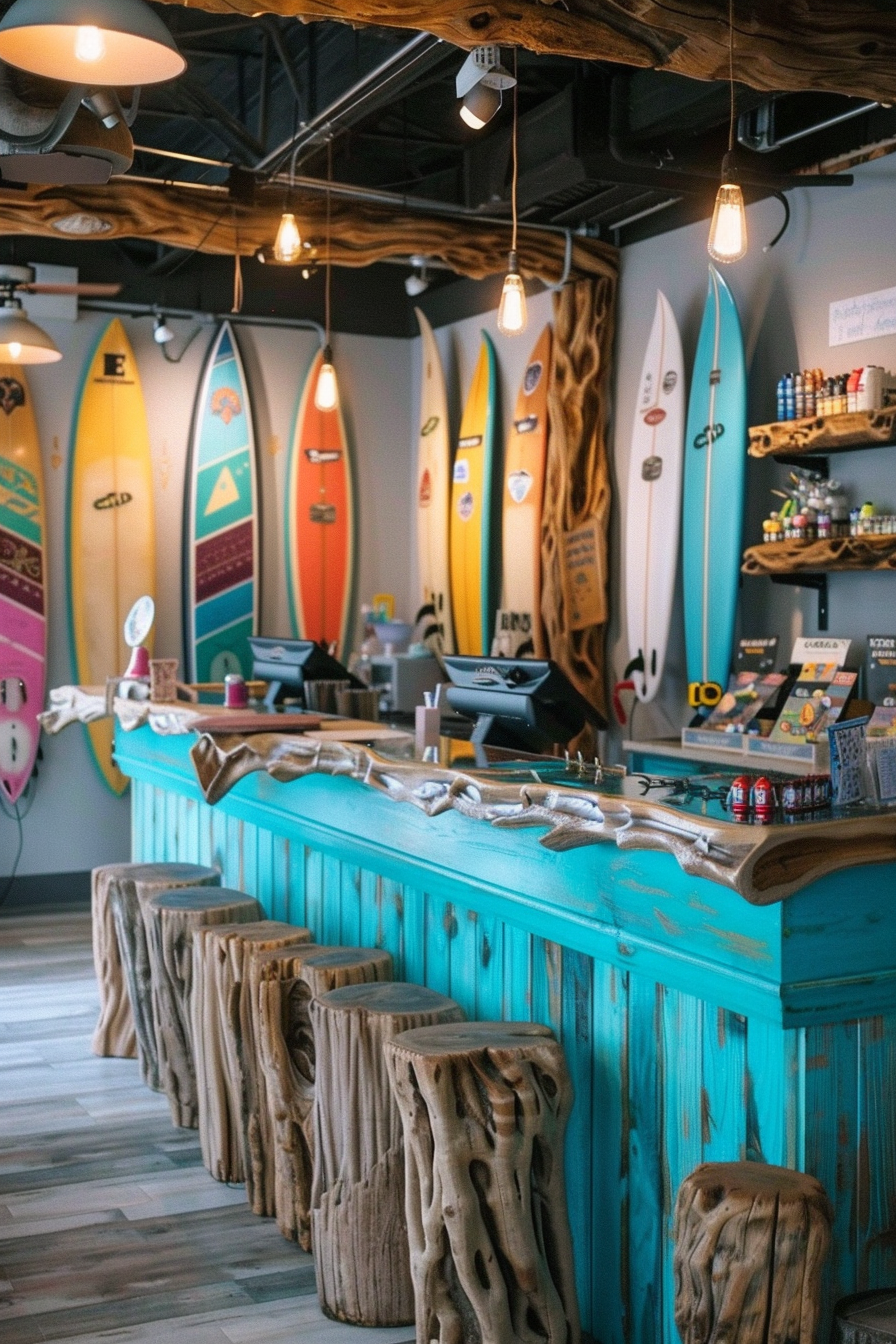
[
  {"x": 434, "y": 488},
  {"x": 653, "y": 511}
]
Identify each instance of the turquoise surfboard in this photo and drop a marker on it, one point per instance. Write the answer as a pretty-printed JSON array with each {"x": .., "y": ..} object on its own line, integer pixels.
[
  {"x": 714, "y": 470},
  {"x": 221, "y": 568}
]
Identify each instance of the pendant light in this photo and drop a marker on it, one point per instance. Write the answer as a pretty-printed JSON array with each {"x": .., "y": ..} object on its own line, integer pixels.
[
  {"x": 728, "y": 231},
  {"x": 326, "y": 394},
  {"x": 111, "y": 42},
  {"x": 512, "y": 315},
  {"x": 21, "y": 340},
  {"x": 288, "y": 243}
]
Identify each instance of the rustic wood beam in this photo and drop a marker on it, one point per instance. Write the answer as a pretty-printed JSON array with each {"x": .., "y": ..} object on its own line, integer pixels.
[
  {"x": 839, "y": 46},
  {"x": 211, "y": 221}
]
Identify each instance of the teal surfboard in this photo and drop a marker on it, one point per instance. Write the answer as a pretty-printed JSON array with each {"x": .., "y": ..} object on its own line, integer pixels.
[
  {"x": 714, "y": 469},
  {"x": 221, "y": 568}
]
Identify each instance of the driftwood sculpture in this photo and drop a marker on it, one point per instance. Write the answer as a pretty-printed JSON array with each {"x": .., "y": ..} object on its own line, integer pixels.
[
  {"x": 750, "y": 1246},
  {"x": 124, "y": 891},
  {"x": 171, "y": 921},
  {"x": 219, "y": 956},
  {"x": 484, "y": 1107},
  {"x": 824, "y": 434},
  {"x": 358, "y": 1223},
  {"x": 287, "y": 1053},
  {"x": 794, "y": 557}
]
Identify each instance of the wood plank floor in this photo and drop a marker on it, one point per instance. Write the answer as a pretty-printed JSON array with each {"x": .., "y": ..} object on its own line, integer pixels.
[{"x": 110, "y": 1226}]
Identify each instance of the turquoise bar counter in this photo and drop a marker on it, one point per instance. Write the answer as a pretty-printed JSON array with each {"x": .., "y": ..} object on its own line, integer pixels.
[{"x": 697, "y": 1024}]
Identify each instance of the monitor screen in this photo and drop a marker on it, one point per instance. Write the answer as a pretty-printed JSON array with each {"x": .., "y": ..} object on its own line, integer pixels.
[
  {"x": 527, "y": 703},
  {"x": 288, "y": 663}
]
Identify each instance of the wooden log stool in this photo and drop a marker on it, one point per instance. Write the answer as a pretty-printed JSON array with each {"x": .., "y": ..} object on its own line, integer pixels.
[
  {"x": 750, "y": 1245},
  {"x": 171, "y": 919},
  {"x": 120, "y": 893},
  {"x": 288, "y": 983},
  {"x": 358, "y": 1224},
  {"x": 219, "y": 959},
  {"x": 865, "y": 1318},
  {"x": 484, "y": 1107}
]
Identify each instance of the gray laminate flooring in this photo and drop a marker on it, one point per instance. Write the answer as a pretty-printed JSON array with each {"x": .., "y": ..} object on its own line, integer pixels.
[{"x": 110, "y": 1226}]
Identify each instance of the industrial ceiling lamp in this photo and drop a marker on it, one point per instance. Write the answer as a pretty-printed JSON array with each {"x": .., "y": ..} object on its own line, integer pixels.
[
  {"x": 21, "y": 340},
  {"x": 111, "y": 42},
  {"x": 728, "y": 231},
  {"x": 512, "y": 315},
  {"x": 480, "y": 84},
  {"x": 326, "y": 394}
]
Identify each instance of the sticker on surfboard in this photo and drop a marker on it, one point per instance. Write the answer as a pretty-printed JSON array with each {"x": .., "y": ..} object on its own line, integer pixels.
[{"x": 519, "y": 483}]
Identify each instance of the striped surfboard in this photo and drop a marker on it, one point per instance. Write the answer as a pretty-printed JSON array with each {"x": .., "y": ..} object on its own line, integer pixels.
[{"x": 221, "y": 566}]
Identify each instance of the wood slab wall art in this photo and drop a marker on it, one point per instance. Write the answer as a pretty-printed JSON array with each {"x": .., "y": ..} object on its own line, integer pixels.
[{"x": 842, "y": 46}]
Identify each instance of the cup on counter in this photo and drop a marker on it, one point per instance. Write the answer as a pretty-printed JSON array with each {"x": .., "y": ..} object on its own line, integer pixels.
[
  {"x": 354, "y": 704},
  {"x": 163, "y": 680}
]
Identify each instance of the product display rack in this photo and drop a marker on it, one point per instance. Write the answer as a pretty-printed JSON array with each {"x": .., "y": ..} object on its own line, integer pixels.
[{"x": 823, "y": 434}]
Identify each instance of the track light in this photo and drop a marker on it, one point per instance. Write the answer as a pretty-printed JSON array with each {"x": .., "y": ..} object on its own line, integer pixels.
[
  {"x": 111, "y": 42},
  {"x": 21, "y": 340},
  {"x": 162, "y": 333},
  {"x": 418, "y": 280},
  {"x": 480, "y": 83}
]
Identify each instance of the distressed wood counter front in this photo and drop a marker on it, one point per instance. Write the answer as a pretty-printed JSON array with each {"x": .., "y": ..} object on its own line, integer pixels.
[{"x": 698, "y": 1025}]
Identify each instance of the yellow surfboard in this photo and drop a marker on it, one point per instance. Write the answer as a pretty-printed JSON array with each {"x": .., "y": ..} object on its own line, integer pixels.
[
  {"x": 523, "y": 495},
  {"x": 111, "y": 536},
  {"x": 473, "y": 569}
]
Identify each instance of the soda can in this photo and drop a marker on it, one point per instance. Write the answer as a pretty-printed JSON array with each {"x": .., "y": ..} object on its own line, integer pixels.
[
  {"x": 821, "y": 790},
  {"x": 762, "y": 800},
  {"x": 792, "y": 796},
  {"x": 739, "y": 797}
]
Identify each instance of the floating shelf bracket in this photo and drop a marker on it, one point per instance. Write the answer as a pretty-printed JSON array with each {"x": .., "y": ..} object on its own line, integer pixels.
[{"x": 817, "y": 581}]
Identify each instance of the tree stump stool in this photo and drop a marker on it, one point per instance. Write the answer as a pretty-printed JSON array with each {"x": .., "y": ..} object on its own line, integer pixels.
[
  {"x": 121, "y": 892},
  {"x": 219, "y": 957},
  {"x": 484, "y": 1107},
  {"x": 750, "y": 1244},
  {"x": 286, "y": 1050},
  {"x": 171, "y": 919},
  {"x": 358, "y": 1224},
  {"x": 865, "y": 1318}
]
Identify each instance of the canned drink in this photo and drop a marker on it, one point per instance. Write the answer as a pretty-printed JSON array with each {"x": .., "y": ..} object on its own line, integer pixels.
[
  {"x": 236, "y": 692},
  {"x": 821, "y": 791},
  {"x": 792, "y": 796},
  {"x": 762, "y": 800},
  {"x": 739, "y": 797}
]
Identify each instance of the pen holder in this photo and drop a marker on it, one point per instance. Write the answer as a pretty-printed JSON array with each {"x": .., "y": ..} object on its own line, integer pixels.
[{"x": 427, "y": 725}]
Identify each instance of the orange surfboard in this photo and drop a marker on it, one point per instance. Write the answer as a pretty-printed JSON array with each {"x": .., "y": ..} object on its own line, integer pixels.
[
  {"x": 522, "y": 499},
  {"x": 320, "y": 523}
]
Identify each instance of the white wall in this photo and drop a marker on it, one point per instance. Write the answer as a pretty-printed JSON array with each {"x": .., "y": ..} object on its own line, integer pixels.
[
  {"x": 75, "y": 822},
  {"x": 840, "y": 243}
]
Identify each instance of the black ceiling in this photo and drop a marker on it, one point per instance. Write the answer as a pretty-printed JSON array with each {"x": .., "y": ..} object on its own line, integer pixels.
[{"x": 619, "y": 154}]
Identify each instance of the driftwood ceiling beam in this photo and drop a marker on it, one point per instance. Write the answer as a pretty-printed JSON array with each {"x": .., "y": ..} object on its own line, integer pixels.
[
  {"x": 210, "y": 221},
  {"x": 838, "y": 46}
]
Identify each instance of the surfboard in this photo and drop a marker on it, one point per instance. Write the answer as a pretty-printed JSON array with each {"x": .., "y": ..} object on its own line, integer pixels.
[
  {"x": 522, "y": 499},
  {"x": 653, "y": 510},
  {"x": 111, "y": 524},
  {"x": 320, "y": 523},
  {"x": 714, "y": 472},
  {"x": 221, "y": 565},
  {"x": 473, "y": 577},
  {"x": 23, "y": 594},
  {"x": 434, "y": 488}
]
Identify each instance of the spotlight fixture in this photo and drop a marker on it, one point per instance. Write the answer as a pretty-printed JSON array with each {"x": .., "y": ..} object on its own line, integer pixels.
[
  {"x": 326, "y": 393},
  {"x": 162, "y": 333},
  {"x": 728, "y": 230},
  {"x": 480, "y": 84},
  {"x": 21, "y": 340},
  {"x": 110, "y": 42},
  {"x": 512, "y": 315},
  {"x": 418, "y": 280}
]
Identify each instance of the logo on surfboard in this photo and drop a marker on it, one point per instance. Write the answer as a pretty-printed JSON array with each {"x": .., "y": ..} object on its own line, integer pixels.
[
  {"x": 669, "y": 381},
  {"x": 655, "y": 417},
  {"x": 424, "y": 495},
  {"x": 461, "y": 471},
  {"x": 318, "y": 456},
  {"x": 114, "y": 500},
  {"x": 519, "y": 483},
  {"x": 430, "y": 425},
  {"x": 526, "y": 426},
  {"x": 532, "y": 376},
  {"x": 471, "y": 441},
  {"x": 651, "y": 468},
  {"x": 226, "y": 403},
  {"x": 322, "y": 513},
  {"x": 12, "y": 394},
  {"x": 707, "y": 437},
  {"x": 465, "y": 506}
]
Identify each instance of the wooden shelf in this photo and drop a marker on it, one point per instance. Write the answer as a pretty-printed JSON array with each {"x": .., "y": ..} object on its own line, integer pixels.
[
  {"x": 807, "y": 557},
  {"x": 824, "y": 434}
]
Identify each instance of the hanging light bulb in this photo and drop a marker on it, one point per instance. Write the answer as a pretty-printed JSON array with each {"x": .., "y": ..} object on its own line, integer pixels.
[
  {"x": 288, "y": 243},
  {"x": 89, "y": 44},
  {"x": 326, "y": 394},
  {"x": 512, "y": 315},
  {"x": 728, "y": 230}
]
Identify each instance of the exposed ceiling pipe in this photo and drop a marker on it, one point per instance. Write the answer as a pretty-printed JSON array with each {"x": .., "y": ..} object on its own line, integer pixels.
[
  {"x": 199, "y": 315},
  {"x": 763, "y": 139},
  {"x": 379, "y": 85}
]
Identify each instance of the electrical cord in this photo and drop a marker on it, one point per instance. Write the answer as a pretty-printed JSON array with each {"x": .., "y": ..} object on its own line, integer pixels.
[{"x": 14, "y": 813}]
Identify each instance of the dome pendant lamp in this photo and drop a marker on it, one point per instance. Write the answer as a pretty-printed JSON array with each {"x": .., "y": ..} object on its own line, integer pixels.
[
  {"x": 96, "y": 42},
  {"x": 512, "y": 315},
  {"x": 326, "y": 394},
  {"x": 21, "y": 340},
  {"x": 728, "y": 231}
]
